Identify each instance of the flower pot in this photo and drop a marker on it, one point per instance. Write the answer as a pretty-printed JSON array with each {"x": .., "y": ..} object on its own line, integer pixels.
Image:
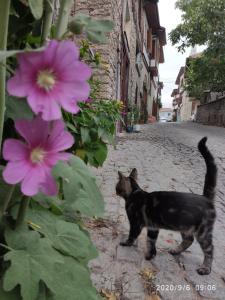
[
  {"x": 129, "y": 128},
  {"x": 137, "y": 128}
]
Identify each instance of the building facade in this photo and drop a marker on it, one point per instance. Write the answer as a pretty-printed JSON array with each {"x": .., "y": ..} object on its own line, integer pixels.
[
  {"x": 185, "y": 108},
  {"x": 130, "y": 61}
]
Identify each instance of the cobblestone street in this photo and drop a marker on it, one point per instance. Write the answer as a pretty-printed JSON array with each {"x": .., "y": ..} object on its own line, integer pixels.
[{"x": 166, "y": 157}]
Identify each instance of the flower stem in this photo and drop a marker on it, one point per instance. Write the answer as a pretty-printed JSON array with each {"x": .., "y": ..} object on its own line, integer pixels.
[
  {"x": 7, "y": 200},
  {"x": 62, "y": 22},
  {"x": 49, "y": 8},
  {"x": 4, "y": 17},
  {"x": 22, "y": 210}
]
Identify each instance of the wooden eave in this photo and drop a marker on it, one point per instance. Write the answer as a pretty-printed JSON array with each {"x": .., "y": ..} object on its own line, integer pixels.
[
  {"x": 182, "y": 69},
  {"x": 152, "y": 12}
]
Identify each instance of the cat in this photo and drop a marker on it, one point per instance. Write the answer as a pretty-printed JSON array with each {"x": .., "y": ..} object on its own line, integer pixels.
[{"x": 191, "y": 214}]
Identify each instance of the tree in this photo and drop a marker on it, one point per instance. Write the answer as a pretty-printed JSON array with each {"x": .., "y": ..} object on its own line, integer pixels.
[{"x": 203, "y": 23}]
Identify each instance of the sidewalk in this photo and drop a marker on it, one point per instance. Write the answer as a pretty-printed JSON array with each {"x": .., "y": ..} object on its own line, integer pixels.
[{"x": 123, "y": 271}]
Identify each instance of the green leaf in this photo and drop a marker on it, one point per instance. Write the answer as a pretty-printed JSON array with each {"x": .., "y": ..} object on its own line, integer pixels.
[
  {"x": 85, "y": 136},
  {"x": 77, "y": 24},
  {"x": 97, "y": 37},
  {"x": 71, "y": 127},
  {"x": 100, "y": 25},
  {"x": 32, "y": 259},
  {"x": 80, "y": 190},
  {"x": 73, "y": 282},
  {"x": 36, "y": 7},
  {"x": 13, "y": 295},
  {"x": 95, "y": 29},
  {"x": 65, "y": 237},
  {"x": 17, "y": 109},
  {"x": 99, "y": 152},
  {"x": 105, "y": 135}
]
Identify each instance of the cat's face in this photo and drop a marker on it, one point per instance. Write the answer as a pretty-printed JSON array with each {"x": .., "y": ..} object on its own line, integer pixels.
[{"x": 123, "y": 186}]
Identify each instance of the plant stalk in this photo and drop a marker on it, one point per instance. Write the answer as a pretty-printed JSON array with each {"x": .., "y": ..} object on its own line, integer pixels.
[
  {"x": 22, "y": 210},
  {"x": 4, "y": 17},
  {"x": 7, "y": 200},
  {"x": 48, "y": 15},
  {"x": 63, "y": 18}
]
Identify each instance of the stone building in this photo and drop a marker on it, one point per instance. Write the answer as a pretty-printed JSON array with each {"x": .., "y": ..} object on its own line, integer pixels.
[
  {"x": 130, "y": 60},
  {"x": 185, "y": 107}
]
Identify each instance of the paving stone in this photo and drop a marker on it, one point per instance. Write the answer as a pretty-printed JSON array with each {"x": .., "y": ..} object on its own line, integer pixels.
[{"x": 166, "y": 158}]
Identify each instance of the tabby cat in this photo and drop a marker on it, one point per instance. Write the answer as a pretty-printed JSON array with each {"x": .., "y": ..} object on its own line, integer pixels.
[{"x": 193, "y": 215}]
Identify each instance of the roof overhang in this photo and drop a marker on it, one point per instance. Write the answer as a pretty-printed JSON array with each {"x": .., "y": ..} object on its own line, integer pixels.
[
  {"x": 152, "y": 12},
  {"x": 181, "y": 72},
  {"x": 174, "y": 92}
]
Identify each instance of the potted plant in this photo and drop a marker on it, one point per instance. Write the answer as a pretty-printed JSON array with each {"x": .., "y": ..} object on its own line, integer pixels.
[
  {"x": 130, "y": 120},
  {"x": 137, "y": 126}
]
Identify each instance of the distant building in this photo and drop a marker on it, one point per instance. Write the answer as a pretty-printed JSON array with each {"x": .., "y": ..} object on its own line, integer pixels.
[
  {"x": 185, "y": 107},
  {"x": 166, "y": 114}
]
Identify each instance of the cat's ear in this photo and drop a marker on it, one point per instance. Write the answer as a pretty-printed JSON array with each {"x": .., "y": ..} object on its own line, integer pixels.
[
  {"x": 134, "y": 174},
  {"x": 120, "y": 175}
]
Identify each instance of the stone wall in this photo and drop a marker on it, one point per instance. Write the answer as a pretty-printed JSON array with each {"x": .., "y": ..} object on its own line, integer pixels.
[
  {"x": 110, "y": 56},
  {"x": 212, "y": 113},
  {"x": 109, "y": 72}
]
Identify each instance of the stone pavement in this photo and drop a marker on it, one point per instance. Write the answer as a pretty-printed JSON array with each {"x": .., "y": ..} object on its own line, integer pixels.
[{"x": 166, "y": 157}]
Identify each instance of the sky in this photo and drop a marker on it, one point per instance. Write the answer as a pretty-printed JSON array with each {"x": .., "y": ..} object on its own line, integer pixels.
[{"x": 170, "y": 18}]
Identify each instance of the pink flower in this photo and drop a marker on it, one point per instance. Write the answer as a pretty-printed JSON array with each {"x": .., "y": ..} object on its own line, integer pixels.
[
  {"x": 31, "y": 162},
  {"x": 51, "y": 78}
]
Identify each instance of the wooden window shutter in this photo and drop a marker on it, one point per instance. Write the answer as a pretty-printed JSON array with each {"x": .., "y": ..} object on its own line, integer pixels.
[
  {"x": 154, "y": 49},
  {"x": 149, "y": 40}
]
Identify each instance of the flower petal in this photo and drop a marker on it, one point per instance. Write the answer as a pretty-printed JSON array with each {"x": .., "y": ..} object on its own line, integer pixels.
[
  {"x": 15, "y": 171},
  {"x": 50, "y": 52},
  {"x": 66, "y": 54},
  {"x": 49, "y": 187},
  {"x": 59, "y": 139},
  {"x": 71, "y": 106},
  {"x": 50, "y": 109},
  {"x": 52, "y": 158},
  {"x": 17, "y": 87},
  {"x": 35, "y": 132},
  {"x": 72, "y": 90},
  {"x": 77, "y": 71},
  {"x": 15, "y": 150},
  {"x": 32, "y": 181}
]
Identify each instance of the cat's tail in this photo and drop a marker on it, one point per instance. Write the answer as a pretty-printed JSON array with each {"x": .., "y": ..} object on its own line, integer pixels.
[{"x": 211, "y": 172}]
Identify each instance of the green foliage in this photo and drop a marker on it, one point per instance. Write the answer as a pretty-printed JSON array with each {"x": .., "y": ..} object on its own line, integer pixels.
[
  {"x": 93, "y": 128},
  {"x": 203, "y": 23},
  {"x": 29, "y": 262},
  {"x": 205, "y": 73},
  {"x": 133, "y": 115},
  {"x": 17, "y": 109},
  {"x": 79, "y": 188},
  {"x": 48, "y": 255},
  {"x": 95, "y": 30},
  {"x": 24, "y": 31},
  {"x": 36, "y": 7},
  {"x": 50, "y": 250}
]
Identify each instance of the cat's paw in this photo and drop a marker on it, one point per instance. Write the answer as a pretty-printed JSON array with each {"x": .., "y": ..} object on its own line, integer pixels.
[
  {"x": 204, "y": 270},
  {"x": 150, "y": 255},
  {"x": 174, "y": 251},
  {"x": 126, "y": 243}
]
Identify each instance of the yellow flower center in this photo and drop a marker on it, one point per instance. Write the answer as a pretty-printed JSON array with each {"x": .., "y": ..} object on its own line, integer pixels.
[
  {"x": 46, "y": 80},
  {"x": 37, "y": 155}
]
